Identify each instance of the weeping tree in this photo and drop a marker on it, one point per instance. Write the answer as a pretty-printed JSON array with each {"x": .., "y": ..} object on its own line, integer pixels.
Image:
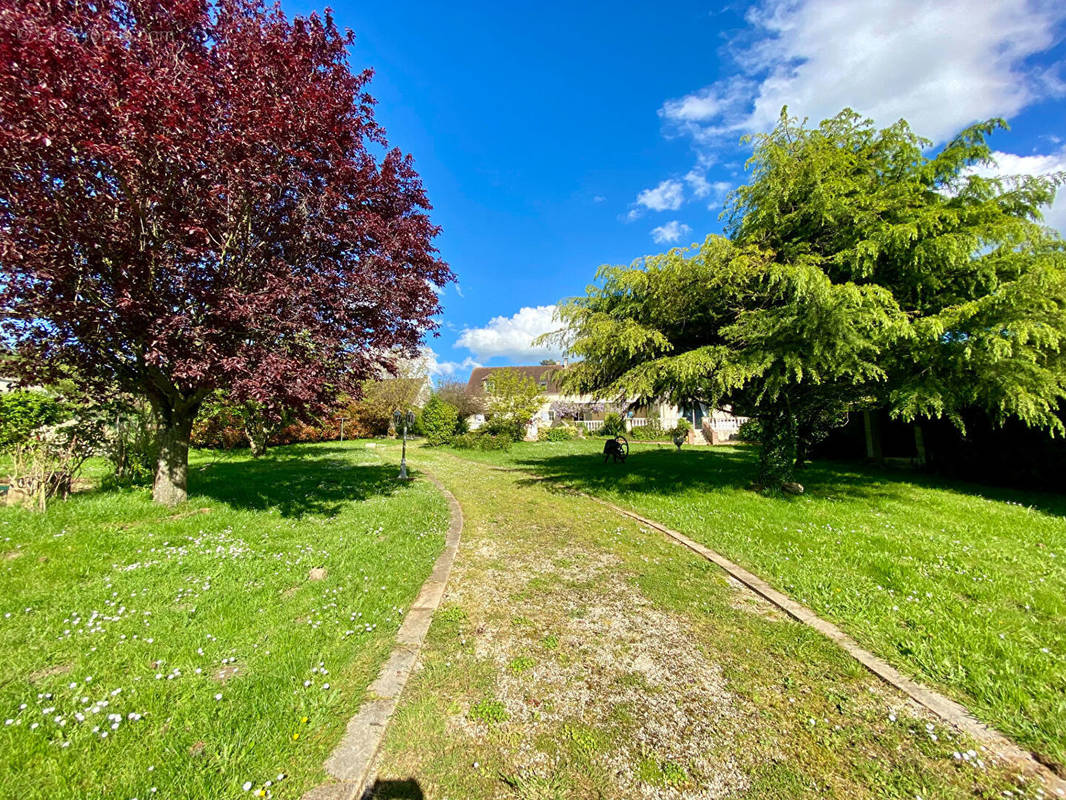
[
  {"x": 196, "y": 196},
  {"x": 859, "y": 270}
]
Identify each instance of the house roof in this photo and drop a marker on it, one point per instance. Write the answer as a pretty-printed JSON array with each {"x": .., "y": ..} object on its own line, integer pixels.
[{"x": 547, "y": 372}]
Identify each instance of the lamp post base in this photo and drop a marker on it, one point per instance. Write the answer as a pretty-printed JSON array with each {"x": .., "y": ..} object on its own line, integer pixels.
[{"x": 403, "y": 471}]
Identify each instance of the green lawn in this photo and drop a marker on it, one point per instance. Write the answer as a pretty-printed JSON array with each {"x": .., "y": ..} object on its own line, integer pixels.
[
  {"x": 152, "y": 652},
  {"x": 961, "y": 586}
]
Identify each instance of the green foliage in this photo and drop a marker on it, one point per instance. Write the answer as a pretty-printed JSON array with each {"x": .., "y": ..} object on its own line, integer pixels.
[
  {"x": 652, "y": 431},
  {"x": 513, "y": 399},
  {"x": 559, "y": 433},
  {"x": 438, "y": 421},
  {"x": 482, "y": 440},
  {"x": 488, "y": 711},
  {"x": 859, "y": 272},
  {"x": 613, "y": 425},
  {"x": 521, "y": 664},
  {"x": 750, "y": 431},
  {"x": 132, "y": 448},
  {"x": 23, "y": 412}
]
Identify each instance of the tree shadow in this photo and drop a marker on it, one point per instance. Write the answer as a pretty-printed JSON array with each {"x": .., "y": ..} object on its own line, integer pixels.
[
  {"x": 666, "y": 472},
  {"x": 662, "y": 471},
  {"x": 408, "y": 789},
  {"x": 296, "y": 480}
]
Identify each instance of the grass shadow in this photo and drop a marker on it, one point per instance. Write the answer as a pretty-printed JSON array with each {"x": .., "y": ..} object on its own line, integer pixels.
[
  {"x": 669, "y": 472},
  {"x": 297, "y": 481}
]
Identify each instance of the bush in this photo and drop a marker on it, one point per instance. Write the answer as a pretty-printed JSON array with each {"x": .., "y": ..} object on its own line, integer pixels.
[
  {"x": 652, "y": 432},
  {"x": 613, "y": 425},
  {"x": 438, "y": 421},
  {"x": 750, "y": 431},
  {"x": 23, "y": 412},
  {"x": 479, "y": 440},
  {"x": 46, "y": 464},
  {"x": 560, "y": 433},
  {"x": 511, "y": 429}
]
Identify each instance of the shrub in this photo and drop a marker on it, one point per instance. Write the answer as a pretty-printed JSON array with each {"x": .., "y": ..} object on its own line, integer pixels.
[
  {"x": 480, "y": 440},
  {"x": 613, "y": 425},
  {"x": 649, "y": 433},
  {"x": 46, "y": 463},
  {"x": 560, "y": 433},
  {"x": 438, "y": 421},
  {"x": 750, "y": 431},
  {"x": 511, "y": 429},
  {"x": 23, "y": 412}
]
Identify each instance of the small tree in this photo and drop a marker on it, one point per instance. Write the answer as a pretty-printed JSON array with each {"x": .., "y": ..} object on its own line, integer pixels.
[
  {"x": 467, "y": 401},
  {"x": 513, "y": 399},
  {"x": 438, "y": 421}
]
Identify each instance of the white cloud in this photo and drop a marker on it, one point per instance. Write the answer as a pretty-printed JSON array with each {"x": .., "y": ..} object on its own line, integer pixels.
[
  {"x": 1011, "y": 164},
  {"x": 670, "y": 232},
  {"x": 445, "y": 370},
  {"x": 698, "y": 183},
  {"x": 939, "y": 64},
  {"x": 512, "y": 337},
  {"x": 667, "y": 196},
  {"x": 718, "y": 191}
]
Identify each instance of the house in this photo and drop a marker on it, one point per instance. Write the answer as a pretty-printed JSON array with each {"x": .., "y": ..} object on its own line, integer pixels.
[{"x": 710, "y": 426}]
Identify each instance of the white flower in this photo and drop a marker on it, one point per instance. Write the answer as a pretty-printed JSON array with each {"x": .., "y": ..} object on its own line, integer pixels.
[
  {"x": 247, "y": 786},
  {"x": 218, "y": 696}
]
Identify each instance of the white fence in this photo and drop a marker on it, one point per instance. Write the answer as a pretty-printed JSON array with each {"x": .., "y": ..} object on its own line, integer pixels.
[{"x": 593, "y": 425}]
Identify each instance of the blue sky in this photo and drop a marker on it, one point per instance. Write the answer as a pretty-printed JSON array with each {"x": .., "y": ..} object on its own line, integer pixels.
[{"x": 555, "y": 137}]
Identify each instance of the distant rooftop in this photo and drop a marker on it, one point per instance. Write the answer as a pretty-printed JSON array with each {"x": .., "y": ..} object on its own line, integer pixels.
[{"x": 546, "y": 375}]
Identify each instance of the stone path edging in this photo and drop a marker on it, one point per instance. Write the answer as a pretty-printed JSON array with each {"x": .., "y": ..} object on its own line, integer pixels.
[
  {"x": 945, "y": 708},
  {"x": 351, "y": 762}
]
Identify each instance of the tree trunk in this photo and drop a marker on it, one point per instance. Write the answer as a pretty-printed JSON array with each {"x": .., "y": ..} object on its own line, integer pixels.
[
  {"x": 779, "y": 446},
  {"x": 172, "y": 468},
  {"x": 256, "y": 431},
  {"x": 872, "y": 423}
]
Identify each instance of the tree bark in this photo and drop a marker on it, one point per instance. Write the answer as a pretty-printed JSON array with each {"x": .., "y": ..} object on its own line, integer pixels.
[
  {"x": 256, "y": 431},
  {"x": 172, "y": 467},
  {"x": 779, "y": 445}
]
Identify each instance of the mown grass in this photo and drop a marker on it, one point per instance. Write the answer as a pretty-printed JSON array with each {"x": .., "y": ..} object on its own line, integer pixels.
[
  {"x": 570, "y": 634},
  {"x": 963, "y": 587},
  {"x": 198, "y": 627}
]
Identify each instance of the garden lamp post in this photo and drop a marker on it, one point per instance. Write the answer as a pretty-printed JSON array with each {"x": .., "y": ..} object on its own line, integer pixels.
[
  {"x": 405, "y": 419},
  {"x": 342, "y": 417}
]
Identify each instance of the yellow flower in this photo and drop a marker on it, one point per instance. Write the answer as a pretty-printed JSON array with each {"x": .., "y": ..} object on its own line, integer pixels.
[
  {"x": 295, "y": 736},
  {"x": 304, "y": 720}
]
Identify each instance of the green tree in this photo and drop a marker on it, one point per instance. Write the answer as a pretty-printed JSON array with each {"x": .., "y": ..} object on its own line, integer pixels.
[
  {"x": 859, "y": 271},
  {"x": 513, "y": 399},
  {"x": 439, "y": 421}
]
